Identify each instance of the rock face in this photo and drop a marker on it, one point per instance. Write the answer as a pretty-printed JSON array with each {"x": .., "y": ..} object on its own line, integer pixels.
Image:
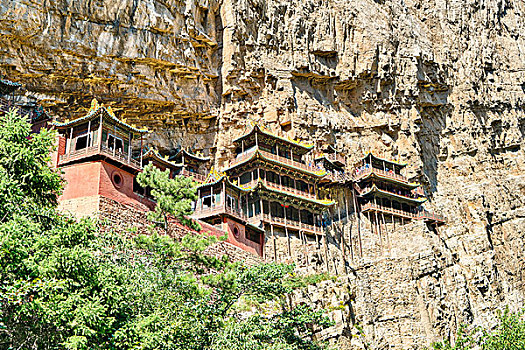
[{"x": 439, "y": 84}]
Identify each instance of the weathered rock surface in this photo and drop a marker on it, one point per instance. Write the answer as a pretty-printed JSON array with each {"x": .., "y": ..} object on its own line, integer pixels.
[{"x": 440, "y": 84}]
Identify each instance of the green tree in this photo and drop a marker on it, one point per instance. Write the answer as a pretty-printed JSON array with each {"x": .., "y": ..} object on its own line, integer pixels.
[
  {"x": 509, "y": 334},
  {"x": 66, "y": 284},
  {"x": 26, "y": 180},
  {"x": 172, "y": 196}
]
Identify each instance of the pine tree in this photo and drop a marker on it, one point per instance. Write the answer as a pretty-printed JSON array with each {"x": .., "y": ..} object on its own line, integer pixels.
[{"x": 172, "y": 196}]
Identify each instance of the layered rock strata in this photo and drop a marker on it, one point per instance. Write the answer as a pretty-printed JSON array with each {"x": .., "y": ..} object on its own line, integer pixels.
[{"x": 439, "y": 84}]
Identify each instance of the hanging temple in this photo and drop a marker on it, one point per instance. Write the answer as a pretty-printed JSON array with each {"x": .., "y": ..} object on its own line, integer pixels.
[{"x": 272, "y": 187}]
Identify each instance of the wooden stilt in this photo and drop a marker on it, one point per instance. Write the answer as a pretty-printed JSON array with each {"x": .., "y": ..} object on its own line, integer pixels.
[
  {"x": 341, "y": 229},
  {"x": 345, "y": 192},
  {"x": 378, "y": 229},
  {"x": 356, "y": 210},
  {"x": 274, "y": 244},
  {"x": 303, "y": 243},
  {"x": 289, "y": 241},
  {"x": 394, "y": 222},
  {"x": 387, "y": 239}
]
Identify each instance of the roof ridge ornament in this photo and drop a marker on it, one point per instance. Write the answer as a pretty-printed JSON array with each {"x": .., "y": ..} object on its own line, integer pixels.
[{"x": 94, "y": 105}]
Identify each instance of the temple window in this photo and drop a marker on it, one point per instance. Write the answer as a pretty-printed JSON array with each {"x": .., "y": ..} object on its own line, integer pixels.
[
  {"x": 82, "y": 142},
  {"x": 302, "y": 186},
  {"x": 272, "y": 177},
  {"x": 287, "y": 181},
  {"x": 245, "y": 178},
  {"x": 115, "y": 143},
  {"x": 231, "y": 202},
  {"x": 206, "y": 201}
]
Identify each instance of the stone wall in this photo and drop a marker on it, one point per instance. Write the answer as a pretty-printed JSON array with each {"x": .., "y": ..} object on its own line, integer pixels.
[{"x": 128, "y": 219}]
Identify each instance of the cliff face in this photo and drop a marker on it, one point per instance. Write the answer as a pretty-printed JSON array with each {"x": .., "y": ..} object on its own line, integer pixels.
[{"x": 439, "y": 84}]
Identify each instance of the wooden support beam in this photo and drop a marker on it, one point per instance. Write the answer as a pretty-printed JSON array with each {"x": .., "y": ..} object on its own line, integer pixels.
[{"x": 378, "y": 228}]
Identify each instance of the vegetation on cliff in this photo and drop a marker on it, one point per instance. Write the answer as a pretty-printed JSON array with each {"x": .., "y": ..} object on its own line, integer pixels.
[
  {"x": 509, "y": 334},
  {"x": 69, "y": 285}
]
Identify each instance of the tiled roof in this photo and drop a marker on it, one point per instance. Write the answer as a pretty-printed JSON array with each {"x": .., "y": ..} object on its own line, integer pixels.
[
  {"x": 262, "y": 130},
  {"x": 94, "y": 112}
]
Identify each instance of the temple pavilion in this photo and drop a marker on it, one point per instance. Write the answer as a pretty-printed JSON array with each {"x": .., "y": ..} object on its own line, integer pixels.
[
  {"x": 95, "y": 154},
  {"x": 334, "y": 165},
  {"x": 10, "y": 98},
  {"x": 382, "y": 189},
  {"x": 8, "y": 88},
  {"x": 268, "y": 184},
  {"x": 183, "y": 163},
  {"x": 191, "y": 164}
]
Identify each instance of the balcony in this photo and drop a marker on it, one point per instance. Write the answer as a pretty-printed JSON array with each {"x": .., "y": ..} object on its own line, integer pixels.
[
  {"x": 385, "y": 174},
  {"x": 274, "y": 157},
  {"x": 197, "y": 177},
  {"x": 6, "y": 106},
  {"x": 428, "y": 216},
  {"x": 277, "y": 187},
  {"x": 412, "y": 196},
  {"x": 104, "y": 151},
  {"x": 396, "y": 212},
  {"x": 336, "y": 158},
  {"x": 288, "y": 223},
  {"x": 218, "y": 210}
]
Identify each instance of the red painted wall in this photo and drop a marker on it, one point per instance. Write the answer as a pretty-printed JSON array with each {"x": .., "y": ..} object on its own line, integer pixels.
[
  {"x": 60, "y": 144},
  {"x": 240, "y": 240},
  {"x": 96, "y": 178},
  {"x": 82, "y": 180},
  {"x": 121, "y": 192}
]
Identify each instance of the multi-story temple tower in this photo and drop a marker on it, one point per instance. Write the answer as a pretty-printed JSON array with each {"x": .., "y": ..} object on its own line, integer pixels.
[
  {"x": 271, "y": 184},
  {"x": 384, "y": 191}
]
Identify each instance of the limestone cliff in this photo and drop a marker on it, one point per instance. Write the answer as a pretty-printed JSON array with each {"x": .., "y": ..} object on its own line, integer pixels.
[{"x": 440, "y": 84}]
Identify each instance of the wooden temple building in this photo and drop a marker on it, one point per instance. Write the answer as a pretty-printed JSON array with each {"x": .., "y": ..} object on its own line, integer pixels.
[
  {"x": 192, "y": 164},
  {"x": 275, "y": 187},
  {"x": 383, "y": 190},
  {"x": 183, "y": 163},
  {"x": 10, "y": 98},
  {"x": 268, "y": 185},
  {"x": 272, "y": 188},
  {"x": 95, "y": 154}
]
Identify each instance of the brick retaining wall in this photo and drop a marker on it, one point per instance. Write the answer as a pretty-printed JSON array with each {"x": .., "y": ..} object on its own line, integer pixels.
[{"x": 126, "y": 218}]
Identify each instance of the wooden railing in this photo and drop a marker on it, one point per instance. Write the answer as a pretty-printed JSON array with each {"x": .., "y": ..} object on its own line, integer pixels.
[
  {"x": 217, "y": 209},
  {"x": 421, "y": 215},
  {"x": 288, "y": 189},
  {"x": 426, "y": 215},
  {"x": 104, "y": 150},
  {"x": 278, "y": 187},
  {"x": 292, "y": 163},
  {"x": 197, "y": 177},
  {"x": 380, "y": 172},
  {"x": 367, "y": 190},
  {"x": 6, "y": 106},
  {"x": 289, "y": 223},
  {"x": 242, "y": 157},
  {"x": 336, "y": 157},
  {"x": 397, "y": 212}
]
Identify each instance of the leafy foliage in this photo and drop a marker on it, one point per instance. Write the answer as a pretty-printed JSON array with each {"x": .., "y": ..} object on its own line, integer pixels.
[
  {"x": 172, "y": 196},
  {"x": 509, "y": 334},
  {"x": 66, "y": 284},
  {"x": 26, "y": 181}
]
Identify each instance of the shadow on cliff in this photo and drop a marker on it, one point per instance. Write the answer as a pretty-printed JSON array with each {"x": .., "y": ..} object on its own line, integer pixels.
[{"x": 429, "y": 137}]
